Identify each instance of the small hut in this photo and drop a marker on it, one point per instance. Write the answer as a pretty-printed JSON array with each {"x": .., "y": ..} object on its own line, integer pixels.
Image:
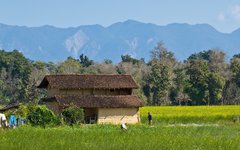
[
  {"x": 104, "y": 98},
  {"x": 10, "y": 106}
]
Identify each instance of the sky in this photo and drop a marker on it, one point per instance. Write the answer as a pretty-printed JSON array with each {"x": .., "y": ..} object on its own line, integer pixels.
[{"x": 223, "y": 15}]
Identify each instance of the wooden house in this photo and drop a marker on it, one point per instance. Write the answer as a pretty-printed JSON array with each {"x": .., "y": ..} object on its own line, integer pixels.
[{"x": 104, "y": 98}]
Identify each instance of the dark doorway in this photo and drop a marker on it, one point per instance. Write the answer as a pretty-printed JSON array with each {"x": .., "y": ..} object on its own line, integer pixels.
[{"x": 91, "y": 115}]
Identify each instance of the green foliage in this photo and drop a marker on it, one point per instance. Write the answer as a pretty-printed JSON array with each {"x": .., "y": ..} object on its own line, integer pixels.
[
  {"x": 204, "y": 78},
  {"x": 159, "y": 78},
  {"x": 204, "y": 55},
  {"x": 15, "y": 71},
  {"x": 69, "y": 66},
  {"x": 108, "y": 61},
  {"x": 22, "y": 111},
  {"x": 210, "y": 65},
  {"x": 215, "y": 59},
  {"x": 128, "y": 58},
  {"x": 85, "y": 61},
  {"x": 73, "y": 115},
  {"x": 231, "y": 94},
  {"x": 178, "y": 95},
  {"x": 215, "y": 87},
  {"x": 235, "y": 68},
  {"x": 41, "y": 116},
  {"x": 198, "y": 78},
  {"x": 161, "y": 54}
]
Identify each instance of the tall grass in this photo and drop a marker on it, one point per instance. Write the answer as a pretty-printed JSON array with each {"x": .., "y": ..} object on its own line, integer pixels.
[
  {"x": 112, "y": 137},
  {"x": 191, "y": 114},
  {"x": 225, "y": 135}
]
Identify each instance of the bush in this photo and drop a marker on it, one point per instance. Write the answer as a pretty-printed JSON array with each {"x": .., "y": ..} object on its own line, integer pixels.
[
  {"x": 41, "y": 116},
  {"x": 22, "y": 111},
  {"x": 73, "y": 115}
]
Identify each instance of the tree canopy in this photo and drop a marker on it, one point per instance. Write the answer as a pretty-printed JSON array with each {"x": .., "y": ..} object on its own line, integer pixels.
[{"x": 204, "y": 78}]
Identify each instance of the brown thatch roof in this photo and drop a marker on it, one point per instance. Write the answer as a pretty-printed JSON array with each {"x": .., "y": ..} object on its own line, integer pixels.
[
  {"x": 88, "y": 82},
  {"x": 99, "y": 101},
  {"x": 10, "y": 106}
]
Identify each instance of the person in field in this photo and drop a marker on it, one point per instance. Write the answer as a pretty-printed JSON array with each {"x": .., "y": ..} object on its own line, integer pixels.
[
  {"x": 123, "y": 126},
  {"x": 3, "y": 120},
  {"x": 18, "y": 120},
  {"x": 12, "y": 121},
  {"x": 149, "y": 118}
]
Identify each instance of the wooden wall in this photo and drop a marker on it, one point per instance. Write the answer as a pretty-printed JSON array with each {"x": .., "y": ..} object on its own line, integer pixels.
[
  {"x": 54, "y": 106},
  {"x": 118, "y": 115}
]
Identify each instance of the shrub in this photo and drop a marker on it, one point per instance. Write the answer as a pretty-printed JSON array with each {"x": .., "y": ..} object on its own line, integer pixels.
[
  {"x": 41, "y": 116},
  {"x": 73, "y": 115},
  {"x": 22, "y": 111}
]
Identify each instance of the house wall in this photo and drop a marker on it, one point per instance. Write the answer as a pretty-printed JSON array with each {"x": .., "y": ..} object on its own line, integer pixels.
[
  {"x": 118, "y": 115},
  {"x": 52, "y": 92},
  {"x": 105, "y": 115},
  {"x": 54, "y": 106}
]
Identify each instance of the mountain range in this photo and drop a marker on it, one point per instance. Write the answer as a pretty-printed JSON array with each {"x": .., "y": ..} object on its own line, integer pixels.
[{"x": 49, "y": 43}]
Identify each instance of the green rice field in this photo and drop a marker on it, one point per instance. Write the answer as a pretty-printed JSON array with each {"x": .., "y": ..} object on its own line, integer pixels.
[{"x": 181, "y": 128}]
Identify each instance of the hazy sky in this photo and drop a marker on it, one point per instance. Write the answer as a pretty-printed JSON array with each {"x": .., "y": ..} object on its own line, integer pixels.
[{"x": 224, "y": 15}]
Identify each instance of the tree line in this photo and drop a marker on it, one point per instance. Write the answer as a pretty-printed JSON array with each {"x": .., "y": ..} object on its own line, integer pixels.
[{"x": 204, "y": 78}]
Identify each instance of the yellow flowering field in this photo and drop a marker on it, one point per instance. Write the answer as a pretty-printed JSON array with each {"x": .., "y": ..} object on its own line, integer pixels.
[{"x": 191, "y": 114}]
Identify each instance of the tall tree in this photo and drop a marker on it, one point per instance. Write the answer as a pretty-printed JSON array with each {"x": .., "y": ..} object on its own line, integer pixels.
[
  {"x": 231, "y": 94},
  {"x": 215, "y": 60},
  {"x": 40, "y": 69},
  {"x": 159, "y": 78},
  {"x": 85, "y": 61},
  {"x": 235, "y": 68},
  {"x": 139, "y": 71},
  {"x": 128, "y": 58},
  {"x": 104, "y": 68},
  {"x": 16, "y": 72},
  {"x": 69, "y": 66},
  {"x": 178, "y": 95},
  {"x": 162, "y": 65},
  {"x": 198, "y": 81},
  {"x": 161, "y": 54},
  {"x": 215, "y": 87}
]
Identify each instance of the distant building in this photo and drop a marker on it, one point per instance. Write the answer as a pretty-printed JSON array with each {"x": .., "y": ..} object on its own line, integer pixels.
[
  {"x": 104, "y": 98},
  {"x": 10, "y": 106}
]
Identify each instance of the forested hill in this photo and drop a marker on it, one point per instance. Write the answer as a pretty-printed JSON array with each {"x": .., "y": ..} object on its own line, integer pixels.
[{"x": 48, "y": 43}]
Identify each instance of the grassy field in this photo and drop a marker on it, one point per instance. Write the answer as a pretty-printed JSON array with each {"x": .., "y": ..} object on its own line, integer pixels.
[
  {"x": 174, "y": 128},
  {"x": 192, "y": 114},
  {"x": 111, "y": 137}
]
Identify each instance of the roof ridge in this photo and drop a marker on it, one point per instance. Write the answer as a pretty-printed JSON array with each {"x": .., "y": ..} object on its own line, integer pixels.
[
  {"x": 89, "y": 81},
  {"x": 88, "y": 75},
  {"x": 94, "y": 95}
]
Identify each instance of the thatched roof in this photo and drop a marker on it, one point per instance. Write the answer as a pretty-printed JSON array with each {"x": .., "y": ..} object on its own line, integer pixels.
[
  {"x": 97, "y": 101},
  {"x": 88, "y": 82},
  {"x": 9, "y": 106}
]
